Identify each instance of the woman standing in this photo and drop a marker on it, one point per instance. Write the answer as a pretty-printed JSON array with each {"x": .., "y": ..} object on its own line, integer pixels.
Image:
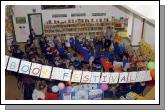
[{"x": 108, "y": 37}]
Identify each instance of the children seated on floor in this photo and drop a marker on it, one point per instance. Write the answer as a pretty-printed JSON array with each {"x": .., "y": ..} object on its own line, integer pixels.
[{"x": 82, "y": 54}]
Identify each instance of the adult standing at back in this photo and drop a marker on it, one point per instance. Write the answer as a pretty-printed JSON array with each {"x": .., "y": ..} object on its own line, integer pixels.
[
  {"x": 32, "y": 36},
  {"x": 108, "y": 37}
]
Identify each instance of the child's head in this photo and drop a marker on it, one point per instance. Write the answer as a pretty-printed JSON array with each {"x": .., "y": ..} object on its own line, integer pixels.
[
  {"x": 124, "y": 57},
  {"x": 108, "y": 28}
]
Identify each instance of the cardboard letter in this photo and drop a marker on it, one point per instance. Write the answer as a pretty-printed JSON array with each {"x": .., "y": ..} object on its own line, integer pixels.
[
  {"x": 95, "y": 77},
  {"x": 25, "y": 67},
  {"x": 35, "y": 69},
  {"x": 105, "y": 77},
  {"x": 76, "y": 76},
  {"x": 13, "y": 64},
  {"x": 86, "y": 77},
  {"x": 46, "y": 71},
  {"x": 123, "y": 77},
  {"x": 114, "y": 77}
]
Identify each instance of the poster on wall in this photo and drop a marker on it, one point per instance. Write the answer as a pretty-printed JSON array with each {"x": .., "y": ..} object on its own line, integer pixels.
[
  {"x": 44, "y": 7},
  {"x": 98, "y": 14},
  {"x": 59, "y": 15},
  {"x": 21, "y": 20}
]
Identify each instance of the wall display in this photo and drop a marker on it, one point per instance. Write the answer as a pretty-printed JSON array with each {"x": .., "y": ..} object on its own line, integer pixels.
[
  {"x": 44, "y": 7},
  {"x": 78, "y": 15},
  {"x": 59, "y": 15},
  {"x": 21, "y": 20},
  {"x": 55, "y": 73},
  {"x": 98, "y": 14}
]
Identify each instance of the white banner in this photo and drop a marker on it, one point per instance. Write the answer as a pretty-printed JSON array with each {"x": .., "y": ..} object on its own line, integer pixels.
[
  {"x": 55, "y": 73},
  {"x": 114, "y": 77},
  {"x": 123, "y": 77},
  {"x": 76, "y": 76},
  {"x": 95, "y": 77},
  {"x": 66, "y": 74},
  {"x": 147, "y": 76},
  {"x": 46, "y": 72},
  {"x": 86, "y": 77},
  {"x": 25, "y": 67},
  {"x": 132, "y": 77},
  {"x": 35, "y": 69},
  {"x": 105, "y": 77},
  {"x": 140, "y": 76},
  {"x": 13, "y": 64}
]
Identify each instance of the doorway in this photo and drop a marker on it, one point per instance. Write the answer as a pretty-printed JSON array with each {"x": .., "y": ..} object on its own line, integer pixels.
[{"x": 35, "y": 22}]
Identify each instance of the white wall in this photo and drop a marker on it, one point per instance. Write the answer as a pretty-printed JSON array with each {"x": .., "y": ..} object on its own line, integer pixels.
[
  {"x": 149, "y": 34},
  {"x": 23, "y": 10},
  {"x": 136, "y": 31},
  {"x": 146, "y": 10}
]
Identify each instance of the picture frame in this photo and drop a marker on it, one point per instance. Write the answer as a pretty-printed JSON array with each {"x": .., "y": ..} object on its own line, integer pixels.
[{"x": 20, "y": 20}]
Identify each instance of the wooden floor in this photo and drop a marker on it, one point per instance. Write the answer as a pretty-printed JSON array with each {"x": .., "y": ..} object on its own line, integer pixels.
[{"x": 11, "y": 90}]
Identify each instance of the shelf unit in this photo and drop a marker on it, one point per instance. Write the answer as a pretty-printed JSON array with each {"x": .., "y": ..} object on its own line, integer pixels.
[{"x": 80, "y": 26}]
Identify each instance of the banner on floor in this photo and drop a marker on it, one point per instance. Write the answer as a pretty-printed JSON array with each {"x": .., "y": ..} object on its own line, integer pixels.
[{"x": 55, "y": 73}]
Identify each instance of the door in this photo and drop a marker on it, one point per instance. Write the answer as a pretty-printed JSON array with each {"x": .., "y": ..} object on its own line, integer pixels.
[
  {"x": 136, "y": 31},
  {"x": 35, "y": 22}
]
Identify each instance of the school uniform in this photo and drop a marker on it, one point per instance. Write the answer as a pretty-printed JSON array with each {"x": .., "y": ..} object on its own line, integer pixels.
[
  {"x": 72, "y": 42},
  {"x": 19, "y": 54},
  {"x": 107, "y": 65},
  {"x": 124, "y": 62},
  {"x": 138, "y": 88},
  {"x": 87, "y": 57},
  {"x": 51, "y": 96}
]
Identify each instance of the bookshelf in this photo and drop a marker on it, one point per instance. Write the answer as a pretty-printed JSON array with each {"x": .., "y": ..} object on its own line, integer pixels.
[{"x": 84, "y": 26}]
